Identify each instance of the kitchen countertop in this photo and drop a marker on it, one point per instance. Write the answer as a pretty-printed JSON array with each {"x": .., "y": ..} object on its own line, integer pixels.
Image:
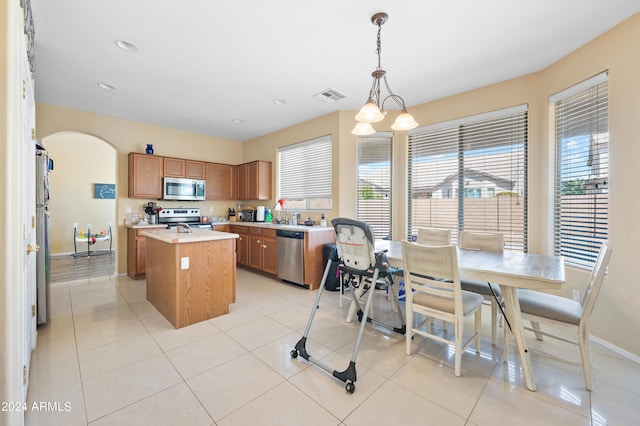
[
  {"x": 172, "y": 236},
  {"x": 301, "y": 228},
  {"x": 162, "y": 225}
]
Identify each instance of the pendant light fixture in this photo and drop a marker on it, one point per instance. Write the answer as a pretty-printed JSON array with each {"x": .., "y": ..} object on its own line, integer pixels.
[{"x": 373, "y": 110}]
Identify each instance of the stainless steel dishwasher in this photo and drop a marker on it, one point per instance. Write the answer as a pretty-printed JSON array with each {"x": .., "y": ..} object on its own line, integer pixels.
[{"x": 290, "y": 256}]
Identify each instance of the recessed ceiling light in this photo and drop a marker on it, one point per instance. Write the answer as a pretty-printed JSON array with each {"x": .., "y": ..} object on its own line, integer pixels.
[
  {"x": 238, "y": 121},
  {"x": 127, "y": 45},
  {"x": 279, "y": 101},
  {"x": 106, "y": 86}
]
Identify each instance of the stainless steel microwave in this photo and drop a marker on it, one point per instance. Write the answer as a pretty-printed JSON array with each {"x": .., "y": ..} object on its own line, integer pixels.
[{"x": 183, "y": 189}]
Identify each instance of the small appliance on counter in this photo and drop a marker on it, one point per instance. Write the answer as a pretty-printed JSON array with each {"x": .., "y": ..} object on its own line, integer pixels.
[
  {"x": 248, "y": 215},
  {"x": 260, "y": 214}
]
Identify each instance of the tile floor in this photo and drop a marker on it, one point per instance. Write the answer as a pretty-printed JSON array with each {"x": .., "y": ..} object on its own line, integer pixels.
[{"x": 107, "y": 357}]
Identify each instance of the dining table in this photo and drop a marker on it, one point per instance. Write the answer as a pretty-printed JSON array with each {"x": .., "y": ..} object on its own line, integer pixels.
[{"x": 511, "y": 270}]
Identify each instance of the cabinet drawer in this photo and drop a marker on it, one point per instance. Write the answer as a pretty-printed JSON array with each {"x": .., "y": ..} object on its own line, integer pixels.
[
  {"x": 269, "y": 233},
  {"x": 237, "y": 229},
  {"x": 255, "y": 231}
]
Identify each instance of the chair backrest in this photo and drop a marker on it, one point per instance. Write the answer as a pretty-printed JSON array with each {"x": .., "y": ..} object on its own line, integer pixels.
[
  {"x": 485, "y": 241},
  {"x": 354, "y": 243},
  {"x": 432, "y": 270},
  {"x": 595, "y": 282},
  {"x": 434, "y": 236}
]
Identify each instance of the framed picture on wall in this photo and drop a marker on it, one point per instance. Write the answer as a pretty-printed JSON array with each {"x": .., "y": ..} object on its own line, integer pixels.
[{"x": 104, "y": 190}]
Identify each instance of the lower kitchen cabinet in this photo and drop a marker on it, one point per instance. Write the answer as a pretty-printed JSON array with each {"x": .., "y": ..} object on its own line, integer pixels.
[
  {"x": 136, "y": 254},
  {"x": 269, "y": 252},
  {"x": 221, "y": 228},
  {"x": 256, "y": 248},
  {"x": 242, "y": 244}
]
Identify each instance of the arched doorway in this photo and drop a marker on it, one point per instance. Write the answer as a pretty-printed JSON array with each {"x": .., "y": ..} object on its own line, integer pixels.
[{"x": 80, "y": 162}]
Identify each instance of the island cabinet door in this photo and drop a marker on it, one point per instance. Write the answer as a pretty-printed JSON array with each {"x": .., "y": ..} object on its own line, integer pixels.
[{"x": 269, "y": 252}]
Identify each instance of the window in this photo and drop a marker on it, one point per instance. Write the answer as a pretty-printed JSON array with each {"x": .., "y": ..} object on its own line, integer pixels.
[
  {"x": 471, "y": 174},
  {"x": 305, "y": 174},
  {"x": 581, "y": 190},
  {"x": 374, "y": 183}
]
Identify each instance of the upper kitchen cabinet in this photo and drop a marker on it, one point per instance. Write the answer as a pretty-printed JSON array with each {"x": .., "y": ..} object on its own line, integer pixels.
[
  {"x": 219, "y": 179},
  {"x": 254, "y": 180},
  {"x": 174, "y": 167},
  {"x": 195, "y": 169},
  {"x": 145, "y": 176},
  {"x": 177, "y": 167}
]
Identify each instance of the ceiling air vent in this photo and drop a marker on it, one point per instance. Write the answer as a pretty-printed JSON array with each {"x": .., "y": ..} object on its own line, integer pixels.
[{"x": 329, "y": 95}]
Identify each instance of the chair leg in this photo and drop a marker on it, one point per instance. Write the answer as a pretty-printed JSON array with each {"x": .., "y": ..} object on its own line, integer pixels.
[
  {"x": 536, "y": 326},
  {"x": 459, "y": 340},
  {"x": 494, "y": 322},
  {"x": 505, "y": 342},
  {"x": 585, "y": 354},
  {"x": 409, "y": 333},
  {"x": 478, "y": 327}
]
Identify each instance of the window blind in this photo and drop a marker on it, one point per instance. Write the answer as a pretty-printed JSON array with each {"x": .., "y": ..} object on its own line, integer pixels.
[
  {"x": 582, "y": 171},
  {"x": 471, "y": 174},
  {"x": 374, "y": 182},
  {"x": 305, "y": 170}
]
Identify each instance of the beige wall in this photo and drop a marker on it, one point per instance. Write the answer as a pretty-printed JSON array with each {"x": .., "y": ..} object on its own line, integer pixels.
[
  {"x": 126, "y": 136},
  {"x": 80, "y": 161},
  {"x": 616, "y": 50}
]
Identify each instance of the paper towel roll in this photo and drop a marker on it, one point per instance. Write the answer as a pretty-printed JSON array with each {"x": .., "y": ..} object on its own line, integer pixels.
[{"x": 260, "y": 214}]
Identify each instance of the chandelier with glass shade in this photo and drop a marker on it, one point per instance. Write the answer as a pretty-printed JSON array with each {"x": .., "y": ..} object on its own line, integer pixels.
[{"x": 373, "y": 110}]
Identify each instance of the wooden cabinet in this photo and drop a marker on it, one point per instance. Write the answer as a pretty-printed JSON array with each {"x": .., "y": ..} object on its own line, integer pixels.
[
  {"x": 242, "y": 244},
  {"x": 177, "y": 167},
  {"x": 202, "y": 291},
  {"x": 254, "y": 181},
  {"x": 195, "y": 169},
  {"x": 174, "y": 167},
  {"x": 256, "y": 248},
  {"x": 219, "y": 178},
  {"x": 145, "y": 176},
  {"x": 269, "y": 252},
  {"x": 221, "y": 228},
  {"x": 136, "y": 254}
]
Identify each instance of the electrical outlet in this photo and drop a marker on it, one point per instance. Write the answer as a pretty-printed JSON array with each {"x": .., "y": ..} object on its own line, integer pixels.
[
  {"x": 210, "y": 209},
  {"x": 576, "y": 295},
  {"x": 127, "y": 209},
  {"x": 184, "y": 263}
]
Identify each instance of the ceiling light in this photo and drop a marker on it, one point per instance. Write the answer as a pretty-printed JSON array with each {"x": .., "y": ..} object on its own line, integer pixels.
[
  {"x": 279, "y": 101},
  {"x": 126, "y": 45},
  {"x": 373, "y": 110},
  {"x": 238, "y": 121},
  {"x": 106, "y": 86}
]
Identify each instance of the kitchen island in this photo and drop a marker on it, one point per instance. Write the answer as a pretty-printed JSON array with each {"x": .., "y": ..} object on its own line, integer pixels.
[{"x": 191, "y": 277}]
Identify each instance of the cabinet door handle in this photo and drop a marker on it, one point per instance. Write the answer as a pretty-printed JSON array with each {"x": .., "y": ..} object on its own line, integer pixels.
[
  {"x": 258, "y": 241},
  {"x": 264, "y": 246}
]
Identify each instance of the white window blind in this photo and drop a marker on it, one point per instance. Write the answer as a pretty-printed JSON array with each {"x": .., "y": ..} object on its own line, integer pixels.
[
  {"x": 374, "y": 183},
  {"x": 582, "y": 171},
  {"x": 471, "y": 174},
  {"x": 305, "y": 170}
]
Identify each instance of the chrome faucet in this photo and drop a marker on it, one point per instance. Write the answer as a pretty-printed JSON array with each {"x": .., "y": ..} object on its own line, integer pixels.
[{"x": 184, "y": 227}]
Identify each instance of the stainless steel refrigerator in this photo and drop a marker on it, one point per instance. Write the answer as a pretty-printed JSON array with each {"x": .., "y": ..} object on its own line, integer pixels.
[{"x": 43, "y": 257}]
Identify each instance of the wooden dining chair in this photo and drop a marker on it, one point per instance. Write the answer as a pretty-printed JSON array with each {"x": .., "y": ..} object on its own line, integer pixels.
[
  {"x": 486, "y": 241},
  {"x": 538, "y": 307},
  {"x": 432, "y": 288},
  {"x": 434, "y": 236}
]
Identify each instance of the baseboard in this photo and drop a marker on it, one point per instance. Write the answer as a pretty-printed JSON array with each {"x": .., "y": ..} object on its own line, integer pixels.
[{"x": 616, "y": 349}]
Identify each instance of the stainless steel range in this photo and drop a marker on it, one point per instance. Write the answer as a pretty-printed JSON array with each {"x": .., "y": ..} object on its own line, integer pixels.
[{"x": 176, "y": 216}]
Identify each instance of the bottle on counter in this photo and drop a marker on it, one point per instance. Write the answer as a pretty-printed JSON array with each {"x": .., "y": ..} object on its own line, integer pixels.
[{"x": 268, "y": 216}]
